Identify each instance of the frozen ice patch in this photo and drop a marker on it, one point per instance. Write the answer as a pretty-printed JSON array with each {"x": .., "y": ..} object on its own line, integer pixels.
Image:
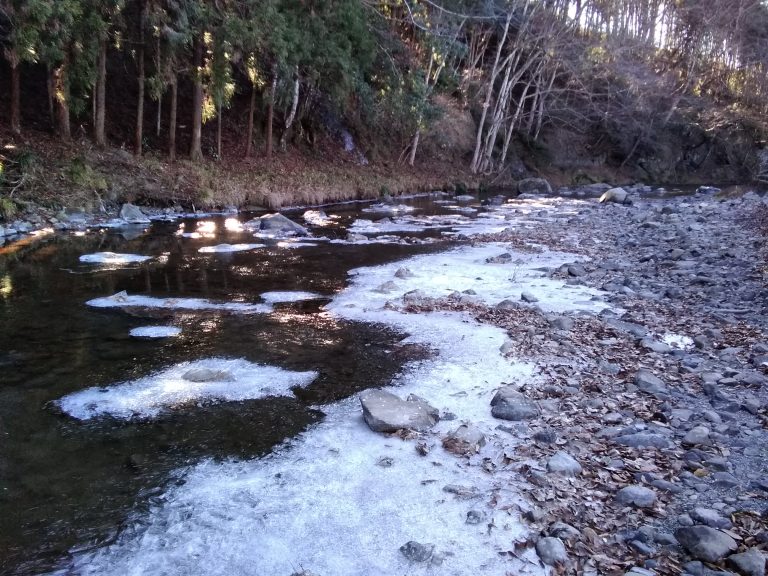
[
  {"x": 225, "y": 248},
  {"x": 214, "y": 379},
  {"x": 124, "y": 300},
  {"x": 677, "y": 341},
  {"x": 276, "y": 296},
  {"x": 318, "y": 218},
  {"x": 155, "y": 332},
  {"x": 384, "y": 208},
  {"x": 113, "y": 258}
]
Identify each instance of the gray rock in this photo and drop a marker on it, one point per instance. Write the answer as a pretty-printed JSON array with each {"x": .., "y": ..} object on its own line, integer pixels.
[
  {"x": 133, "y": 214},
  {"x": 697, "y": 436},
  {"x": 504, "y": 258},
  {"x": 646, "y": 381},
  {"x": 749, "y": 563},
  {"x": 352, "y": 237},
  {"x": 385, "y": 412},
  {"x": 534, "y": 186},
  {"x": 563, "y": 531},
  {"x": 507, "y": 348},
  {"x": 417, "y": 298},
  {"x": 388, "y": 286},
  {"x": 279, "y": 224},
  {"x": 618, "y": 195},
  {"x": 710, "y": 517},
  {"x": 404, "y": 273},
  {"x": 638, "y": 571},
  {"x": 551, "y": 551},
  {"x": 416, "y": 552},
  {"x": 644, "y": 440},
  {"x": 476, "y": 517},
  {"x": 564, "y": 323},
  {"x": 466, "y": 439},
  {"x": 636, "y": 495},
  {"x": 563, "y": 463},
  {"x": 208, "y": 375},
  {"x": 509, "y": 404},
  {"x": 528, "y": 297},
  {"x": 655, "y": 346},
  {"x": 705, "y": 543}
]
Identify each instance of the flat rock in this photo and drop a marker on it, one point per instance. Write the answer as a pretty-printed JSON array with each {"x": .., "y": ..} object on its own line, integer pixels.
[
  {"x": 644, "y": 440},
  {"x": 698, "y": 435},
  {"x": 466, "y": 439},
  {"x": 385, "y": 412},
  {"x": 133, "y": 214},
  {"x": 648, "y": 382},
  {"x": 710, "y": 517},
  {"x": 528, "y": 297},
  {"x": 551, "y": 551},
  {"x": 563, "y": 463},
  {"x": 749, "y": 563},
  {"x": 705, "y": 543},
  {"x": 509, "y": 404},
  {"x": 636, "y": 495}
]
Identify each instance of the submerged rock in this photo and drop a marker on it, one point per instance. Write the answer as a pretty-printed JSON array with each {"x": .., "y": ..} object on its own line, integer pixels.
[
  {"x": 385, "y": 412},
  {"x": 208, "y": 375},
  {"x": 280, "y": 224},
  {"x": 133, "y": 214}
]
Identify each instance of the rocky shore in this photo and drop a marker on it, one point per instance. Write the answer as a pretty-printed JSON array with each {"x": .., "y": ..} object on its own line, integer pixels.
[{"x": 639, "y": 443}]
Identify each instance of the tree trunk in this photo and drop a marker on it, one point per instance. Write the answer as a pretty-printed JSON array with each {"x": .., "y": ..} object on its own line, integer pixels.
[
  {"x": 196, "y": 152},
  {"x": 414, "y": 146},
  {"x": 172, "y": 122},
  {"x": 101, "y": 85},
  {"x": 291, "y": 115},
  {"x": 61, "y": 99},
  {"x": 140, "y": 104},
  {"x": 15, "y": 97},
  {"x": 271, "y": 112},
  {"x": 218, "y": 134},
  {"x": 49, "y": 81},
  {"x": 488, "y": 96},
  {"x": 251, "y": 109}
]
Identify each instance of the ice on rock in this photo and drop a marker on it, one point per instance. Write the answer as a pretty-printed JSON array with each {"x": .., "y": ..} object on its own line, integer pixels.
[
  {"x": 155, "y": 332},
  {"x": 113, "y": 258},
  {"x": 149, "y": 396},
  {"x": 125, "y": 300},
  {"x": 279, "y": 296},
  {"x": 225, "y": 248}
]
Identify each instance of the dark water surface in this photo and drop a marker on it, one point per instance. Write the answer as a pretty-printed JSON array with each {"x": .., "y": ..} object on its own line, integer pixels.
[{"x": 66, "y": 484}]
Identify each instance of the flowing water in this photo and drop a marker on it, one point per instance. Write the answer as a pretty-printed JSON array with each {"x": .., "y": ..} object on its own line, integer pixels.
[{"x": 68, "y": 485}]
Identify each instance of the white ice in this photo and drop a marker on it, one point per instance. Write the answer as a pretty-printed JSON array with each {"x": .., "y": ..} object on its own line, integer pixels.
[
  {"x": 389, "y": 209},
  {"x": 321, "y": 502},
  {"x": 155, "y": 331},
  {"x": 277, "y": 296},
  {"x": 113, "y": 258},
  {"x": 319, "y": 218},
  {"x": 124, "y": 300},
  {"x": 149, "y": 396},
  {"x": 677, "y": 341},
  {"x": 224, "y": 248}
]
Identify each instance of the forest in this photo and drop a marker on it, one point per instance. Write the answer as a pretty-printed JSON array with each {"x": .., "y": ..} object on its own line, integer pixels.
[{"x": 212, "y": 79}]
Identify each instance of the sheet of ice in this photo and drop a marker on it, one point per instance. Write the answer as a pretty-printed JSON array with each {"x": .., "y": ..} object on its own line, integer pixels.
[
  {"x": 113, "y": 258},
  {"x": 147, "y": 397},
  {"x": 278, "y": 296},
  {"x": 294, "y": 244},
  {"x": 124, "y": 300},
  {"x": 324, "y": 502},
  {"x": 384, "y": 208},
  {"x": 224, "y": 248},
  {"x": 155, "y": 332},
  {"x": 461, "y": 209},
  {"x": 363, "y": 226},
  {"x": 677, "y": 341},
  {"x": 319, "y": 218}
]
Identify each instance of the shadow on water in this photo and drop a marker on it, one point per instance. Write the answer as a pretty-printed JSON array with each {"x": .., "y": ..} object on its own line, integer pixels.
[{"x": 66, "y": 484}]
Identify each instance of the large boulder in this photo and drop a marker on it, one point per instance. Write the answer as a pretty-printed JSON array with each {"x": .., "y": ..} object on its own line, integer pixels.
[
  {"x": 509, "y": 404},
  {"x": 618, "y": 195},
  {"x": 133, "y": 214},
  {"x": 534, "y": 186},
  {"x": 705, "y": 543},
  {"x": 385, "y": 412},
  {"x": 279, "y": 224}
]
